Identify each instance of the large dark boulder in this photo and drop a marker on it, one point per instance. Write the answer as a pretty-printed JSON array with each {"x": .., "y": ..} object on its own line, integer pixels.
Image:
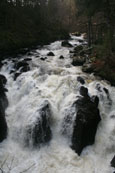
[
  {"x": 86, "y": 121},
  {"x": 3, "y": 106},
  {"x": 40, "y": 132}
]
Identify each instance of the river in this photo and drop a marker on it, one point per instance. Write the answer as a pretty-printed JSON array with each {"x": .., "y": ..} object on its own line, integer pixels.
[{"x": 54, "y": 80}]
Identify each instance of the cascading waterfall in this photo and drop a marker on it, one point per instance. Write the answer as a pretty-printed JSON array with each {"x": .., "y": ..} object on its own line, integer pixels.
[{"x": 51, "y": 84}]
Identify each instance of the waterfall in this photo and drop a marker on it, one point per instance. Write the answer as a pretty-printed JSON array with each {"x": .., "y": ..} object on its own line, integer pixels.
[{"x": 40, "y": 96}]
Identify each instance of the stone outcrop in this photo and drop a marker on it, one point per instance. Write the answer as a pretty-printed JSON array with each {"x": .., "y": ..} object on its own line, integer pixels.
[
  {"x": 86, "y": 122},
  {"x": 40, "y": 132}
]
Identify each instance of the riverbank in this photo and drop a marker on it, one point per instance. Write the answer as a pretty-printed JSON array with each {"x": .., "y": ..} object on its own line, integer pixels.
[{"x": 13, "y": 44}]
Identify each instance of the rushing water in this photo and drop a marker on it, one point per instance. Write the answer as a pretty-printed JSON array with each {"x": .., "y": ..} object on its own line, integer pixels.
[{"x": 54, "y": 80}]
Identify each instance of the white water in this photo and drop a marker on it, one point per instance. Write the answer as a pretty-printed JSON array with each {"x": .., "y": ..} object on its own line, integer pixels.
[{"x": 54, "y": 80}]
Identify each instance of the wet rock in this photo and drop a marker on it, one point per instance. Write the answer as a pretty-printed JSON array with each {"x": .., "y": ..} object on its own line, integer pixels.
[
  {"x": 81, "y": 41},
  {"x": 98, "y": 87},
  {"x": 1, "y": 64},
  {"x": 28, "y": 59},
  {"x": 84, "y": 91},
  {"x": 3, "y": 106},
  {"x": 16, "y": 75},
  {"x": 106, "y": 90},
  {"x": 61, "y": 57},
  {"x": 43, "y": 58},
  {"x": 113, "y": 162},
  {"x": 20, "y": 64},
  {"x": 66, "y": 44},
  {"x": 88, "y": 68},
  {"x": 78, "y": 60},
  {"x": 3, "y": 124},
  {"x": 86, "y": 122},
  {"x": 25, "y": 69},
  {"x": 50, "y": 54},
  {"x": 40, "y": 132},
  {"x": 3, "y": 79},
  {"x": 81, "y": 80}
]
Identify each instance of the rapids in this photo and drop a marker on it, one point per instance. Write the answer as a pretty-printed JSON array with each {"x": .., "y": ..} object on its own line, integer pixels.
[{"x": 54, "y": 80}]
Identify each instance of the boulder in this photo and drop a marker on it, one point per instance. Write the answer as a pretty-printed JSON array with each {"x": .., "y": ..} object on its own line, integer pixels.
[
  {"x": 3, "y": 79},
  {"x": 66, "y": 44},
  {"x": 78, "y": 60},
  {"x": 40, "y": 132},
  {"x": 86, "y": 121},
  {"x": 20, "y": 64},
  {"x": 61, "y": 57},
  {"x": 43, "y": 58},
  {"x": 50, "y": 54},
  {"x": 21, "y": 67},
  {"x": 81, "y": 80}
]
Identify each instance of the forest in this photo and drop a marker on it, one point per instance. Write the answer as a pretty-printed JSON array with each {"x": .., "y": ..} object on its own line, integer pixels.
[{"x": 25, "y": 23}]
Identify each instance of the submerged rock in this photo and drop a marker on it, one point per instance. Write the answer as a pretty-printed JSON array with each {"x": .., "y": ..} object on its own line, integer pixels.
[
  {"x": 86, "y": 122},
  {"x": 40, "y": 132}
]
